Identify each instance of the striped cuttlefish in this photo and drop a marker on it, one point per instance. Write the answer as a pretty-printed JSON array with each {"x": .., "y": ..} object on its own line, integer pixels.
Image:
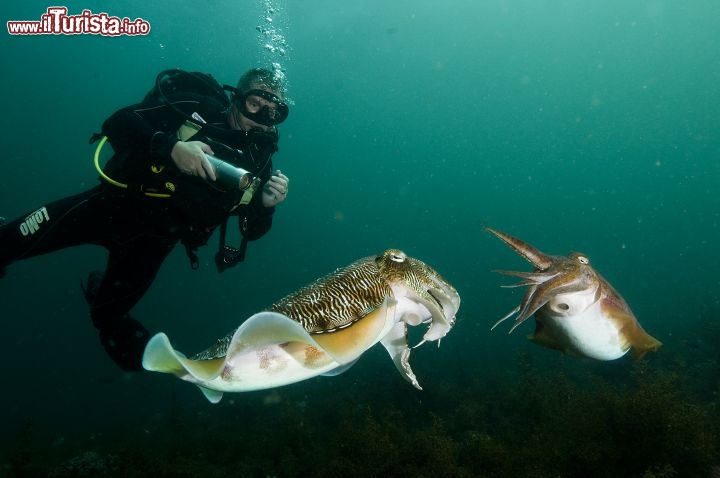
[{"x": 321, "y": 329}]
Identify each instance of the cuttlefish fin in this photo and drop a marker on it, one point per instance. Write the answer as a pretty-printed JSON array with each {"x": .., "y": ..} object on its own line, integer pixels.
[
  {"x": 630, "y": 330},
  {"x": 341, "y": 369},
  {"x": 267, "y": 328},
  {"x": 346, "y": 344},
  {"x": 395, "y": 342},
  {"x": 213, "y": 396},
  {"x": 160, "y": 356}
]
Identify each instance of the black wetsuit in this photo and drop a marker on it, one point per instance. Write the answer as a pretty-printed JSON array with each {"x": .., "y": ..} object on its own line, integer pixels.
[{"x": 140, "y": 231}]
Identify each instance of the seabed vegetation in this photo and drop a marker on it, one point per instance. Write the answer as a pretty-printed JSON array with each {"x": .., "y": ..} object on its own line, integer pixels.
[{"x": 656, "y": 418}]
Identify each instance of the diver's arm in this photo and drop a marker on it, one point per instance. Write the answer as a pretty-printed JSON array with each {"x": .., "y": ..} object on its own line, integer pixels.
[
  {"x": 190, "y": 158},
  {"x": 128, "y": 129}
]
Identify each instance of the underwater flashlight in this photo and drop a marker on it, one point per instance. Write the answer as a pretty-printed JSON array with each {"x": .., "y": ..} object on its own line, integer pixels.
[{"x": 229, "y": 176}]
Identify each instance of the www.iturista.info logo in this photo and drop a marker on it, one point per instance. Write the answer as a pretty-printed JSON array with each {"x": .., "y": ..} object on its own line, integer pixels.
[{"x": 57, "y": 22}]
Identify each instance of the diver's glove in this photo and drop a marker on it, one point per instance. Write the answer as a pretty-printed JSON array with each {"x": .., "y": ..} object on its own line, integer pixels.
[{"x": 275, "y": 190}]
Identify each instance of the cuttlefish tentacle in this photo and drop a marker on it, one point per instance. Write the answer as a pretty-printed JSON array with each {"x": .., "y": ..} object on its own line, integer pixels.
[
  {"x": 395, "y": 342},
  {"x": 541, "y": 288},
  {"x": 509, "y": 314}
]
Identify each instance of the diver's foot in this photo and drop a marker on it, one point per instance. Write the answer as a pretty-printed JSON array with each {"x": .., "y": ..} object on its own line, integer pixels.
[
  {"x": 125, "y": 341},
  {"x": 90, "y": 289}
]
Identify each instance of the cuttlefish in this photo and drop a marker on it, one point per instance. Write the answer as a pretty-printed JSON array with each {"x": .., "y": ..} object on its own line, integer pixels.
[
  {"x": 576, "y": 310},
  {"x": 321, "y": 329}
]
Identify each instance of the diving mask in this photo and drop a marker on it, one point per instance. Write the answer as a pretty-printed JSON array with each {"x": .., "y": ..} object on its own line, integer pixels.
[{"x": 270, "y": 114}]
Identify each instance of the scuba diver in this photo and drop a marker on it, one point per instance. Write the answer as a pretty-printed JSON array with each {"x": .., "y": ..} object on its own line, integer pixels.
[{"x": 189, "y": 156}]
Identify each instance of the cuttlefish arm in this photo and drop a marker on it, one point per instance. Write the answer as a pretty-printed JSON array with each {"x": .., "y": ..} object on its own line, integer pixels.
[
  {"x": 538, "y": 259},
  {"x": 576, "y": 310},
  {"x": 542, "y": 263},
  {"x": 539, "y": 294},
  {"x": 395, "y": 342},
  {"x": 424, "y": 297},
  {"x": 554, "y": 275}
]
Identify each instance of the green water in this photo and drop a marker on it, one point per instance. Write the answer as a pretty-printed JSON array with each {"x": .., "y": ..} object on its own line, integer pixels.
[{"x": 587, "y": 126}]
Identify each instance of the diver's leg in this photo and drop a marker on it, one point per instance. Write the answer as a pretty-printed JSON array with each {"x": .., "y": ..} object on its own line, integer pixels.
[
  {"x": 138, "y": 234},
  {"x": 130, "y": 271},
  {"x": 66, "y": 222}
]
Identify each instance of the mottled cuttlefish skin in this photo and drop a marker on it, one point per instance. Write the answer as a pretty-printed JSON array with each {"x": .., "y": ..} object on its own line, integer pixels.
[
  {"x": 322, "y": 328},
  {"x": 576, "y": 310},
  {"x": 342, "y": 297},
  {"x": 338, "y": 299}
]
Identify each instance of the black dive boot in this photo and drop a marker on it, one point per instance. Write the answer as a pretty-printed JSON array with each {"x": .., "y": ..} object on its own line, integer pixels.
[{"x": 124, "y": 340}]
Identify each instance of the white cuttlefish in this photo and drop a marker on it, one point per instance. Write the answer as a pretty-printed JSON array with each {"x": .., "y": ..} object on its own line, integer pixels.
[
  {"x": 576, "y": 310},
  {"x": 321, "y": 329}
]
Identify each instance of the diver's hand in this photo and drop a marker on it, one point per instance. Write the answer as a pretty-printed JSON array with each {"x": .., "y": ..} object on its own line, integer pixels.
[
  {"x": 190, "y": 158},
  {"x": 275, "y": 190}
]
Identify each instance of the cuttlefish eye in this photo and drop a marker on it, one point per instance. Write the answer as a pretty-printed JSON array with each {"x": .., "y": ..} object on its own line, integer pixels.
[
  {"x": 560, "y": 307},
  {"x": 397, "y": 256},
  {"x": 583, "y": 260}
]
